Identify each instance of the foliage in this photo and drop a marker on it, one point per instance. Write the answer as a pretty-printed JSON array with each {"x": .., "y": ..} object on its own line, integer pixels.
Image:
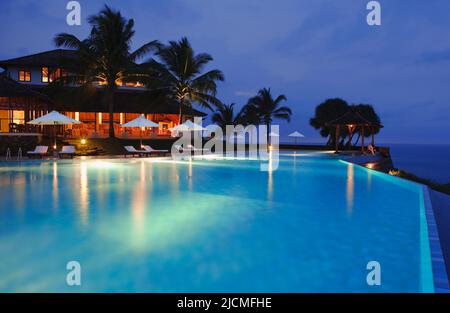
[{"x": 105, "y": 56}]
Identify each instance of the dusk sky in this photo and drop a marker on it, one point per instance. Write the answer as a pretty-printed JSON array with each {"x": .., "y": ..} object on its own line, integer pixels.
[{"x": 308, "y": 50}]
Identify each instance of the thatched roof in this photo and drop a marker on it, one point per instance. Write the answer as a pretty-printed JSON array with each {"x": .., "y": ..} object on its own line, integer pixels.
[
  {"x": 355, "y": 118},
  {"x": 52, "y": 58},
  {"x": 125, "y": 100}
]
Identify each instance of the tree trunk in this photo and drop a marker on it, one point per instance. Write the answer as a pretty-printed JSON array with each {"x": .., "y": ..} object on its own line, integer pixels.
[
  {"x": 180, "y": 116},
  {"x": 110, "y": 100}
]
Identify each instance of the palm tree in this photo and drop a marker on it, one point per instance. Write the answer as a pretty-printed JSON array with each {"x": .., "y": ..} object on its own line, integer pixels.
[
  {"x": 225, "y": 115},
  {"x": 105, "y": 56},
  {"x": 180, "y": 74},
  {"x": 269, "y": 108}
]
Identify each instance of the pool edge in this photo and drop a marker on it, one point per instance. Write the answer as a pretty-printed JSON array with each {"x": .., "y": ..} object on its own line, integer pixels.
[{"x": 440, "y": 276}]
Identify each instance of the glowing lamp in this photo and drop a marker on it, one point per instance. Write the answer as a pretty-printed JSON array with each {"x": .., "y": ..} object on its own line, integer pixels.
[
  {"x": 83, "y": 141},
  {"x": 54, "y": 147},
  {"x": 370, "y": 166}
]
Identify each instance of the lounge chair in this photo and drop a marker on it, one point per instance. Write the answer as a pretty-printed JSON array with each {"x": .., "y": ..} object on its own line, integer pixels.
[
  {"x": 67, "y": 150},
  {"x": 186, "y": 150},
  {"x": 189, "y": 148},
  {"x": 196, "y": 149},
  {"x": 39, "y": 150},
  {"x": 130, "y": 150},
  {"x": 155, "y": 151},
  {"x": 181, "y": 149}
]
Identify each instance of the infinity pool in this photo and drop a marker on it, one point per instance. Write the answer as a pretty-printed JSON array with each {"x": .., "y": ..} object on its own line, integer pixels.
[{"x": 159, "y": 225}]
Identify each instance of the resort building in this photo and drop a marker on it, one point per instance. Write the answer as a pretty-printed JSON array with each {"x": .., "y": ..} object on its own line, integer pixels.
[{"x": 26, "y": 93}]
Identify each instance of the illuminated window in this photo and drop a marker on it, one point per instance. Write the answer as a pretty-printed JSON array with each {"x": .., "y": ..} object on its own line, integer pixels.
[
  {"x": 18, "y": 117},
  {"x": 45, "y": 74},
  {"x": 56, "y": 74},
  {"x": 49, "y": 75},
  {"x": 24, "y": 75}
]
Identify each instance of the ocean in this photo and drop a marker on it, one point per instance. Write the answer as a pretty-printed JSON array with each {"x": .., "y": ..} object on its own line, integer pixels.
[
  {"x": 424, "y": 160},
  {"x": 427, "y": 161}
]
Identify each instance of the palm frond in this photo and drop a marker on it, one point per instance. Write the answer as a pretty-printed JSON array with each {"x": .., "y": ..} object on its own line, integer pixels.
[{"x": 145, "y": 49}]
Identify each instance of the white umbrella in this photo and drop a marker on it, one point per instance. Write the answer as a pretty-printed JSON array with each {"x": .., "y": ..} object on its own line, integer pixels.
[
  {"x": 188, "y": 126},
  {"x": 296, "y": 135},
  {"x": 54, "y": 118},
  {"x": 140, "y": 122}
]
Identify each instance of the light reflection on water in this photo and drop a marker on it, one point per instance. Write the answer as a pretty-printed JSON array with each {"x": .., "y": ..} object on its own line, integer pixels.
[
  {"x": 84, "y": 193},
  {"x": 205, "y": 225},
  {"x": 350, "y": 188}
]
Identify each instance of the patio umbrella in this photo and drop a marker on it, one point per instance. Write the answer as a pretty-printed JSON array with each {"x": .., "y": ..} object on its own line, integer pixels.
[
  {"x": 54, "y": 118},
  {"x": 272, "y": 134},
  {"x": 296, "y": 135},
  {"x": 187, "y": 126},
  {"x": 140, "y": 122}
]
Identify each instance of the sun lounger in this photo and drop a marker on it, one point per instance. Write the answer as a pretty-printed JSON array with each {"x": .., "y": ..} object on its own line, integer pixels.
[
  {"x": 67, "y": 150},
  {"x": 130, "y": 150},
  {"x": 39, "y": 150},
  {"x": 155, "y": 151},
  {"x": 188, "y": 148},
  {"x": 181, "y": 149},
  {"x": 196, "y": 149}
]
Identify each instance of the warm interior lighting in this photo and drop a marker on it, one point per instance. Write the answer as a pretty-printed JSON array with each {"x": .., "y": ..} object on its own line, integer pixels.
[
  {"x": 77, "y": 116},
  {"x": 83, "y": 141},
  {"x": 370, "y": 165},
  {"x": 394, "y": 172},
  {"x": 44, "y": 74},
  {"x": 24, "y": 75}
]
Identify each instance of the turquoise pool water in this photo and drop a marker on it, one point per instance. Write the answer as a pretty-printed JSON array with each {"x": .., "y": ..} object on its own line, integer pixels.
[{"x": 210, "y": 226}]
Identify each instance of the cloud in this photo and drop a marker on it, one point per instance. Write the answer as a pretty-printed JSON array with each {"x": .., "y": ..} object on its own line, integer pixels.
[{"x": 248, "y": 94}]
